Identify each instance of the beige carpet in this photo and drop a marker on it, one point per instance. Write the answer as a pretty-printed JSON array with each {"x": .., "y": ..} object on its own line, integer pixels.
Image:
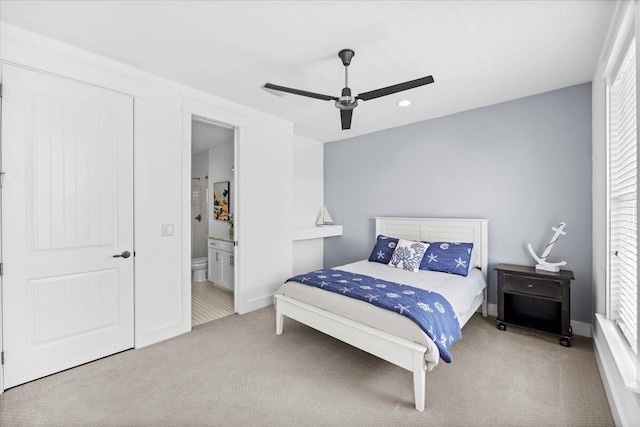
[
  {"x": 209, "y": 302},
  {"x": 237, "y": 372}
]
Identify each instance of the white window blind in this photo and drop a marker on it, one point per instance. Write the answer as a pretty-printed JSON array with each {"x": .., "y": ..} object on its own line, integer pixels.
[{"x": 623, "y": 179}]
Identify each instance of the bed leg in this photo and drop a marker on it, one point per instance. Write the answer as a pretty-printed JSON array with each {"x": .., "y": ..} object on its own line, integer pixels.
[
  {"x": 485, "y": 304},
  {"x": 419, "y": 369},
  {"x": 279, "y": 319}
]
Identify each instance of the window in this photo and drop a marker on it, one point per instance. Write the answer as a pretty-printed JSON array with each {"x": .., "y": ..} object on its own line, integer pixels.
[{"x": 622, "y": 198}]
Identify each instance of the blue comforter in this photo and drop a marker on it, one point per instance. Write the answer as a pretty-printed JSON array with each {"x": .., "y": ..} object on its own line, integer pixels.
[{"x": 429, "y": 310}]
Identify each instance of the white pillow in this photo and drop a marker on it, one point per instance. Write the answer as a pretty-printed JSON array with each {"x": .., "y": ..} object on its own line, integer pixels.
[{"x": 408, "y": 255}]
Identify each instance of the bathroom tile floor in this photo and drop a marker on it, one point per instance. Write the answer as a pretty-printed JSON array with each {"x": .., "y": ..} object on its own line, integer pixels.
[{"x": 209, "y": 302}]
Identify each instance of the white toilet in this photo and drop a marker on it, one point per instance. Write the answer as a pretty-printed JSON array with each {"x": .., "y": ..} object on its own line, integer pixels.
[{"x": 199, "y": 268}]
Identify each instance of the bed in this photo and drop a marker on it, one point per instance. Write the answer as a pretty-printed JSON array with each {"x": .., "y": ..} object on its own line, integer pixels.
[{"x": 384, "y": 333}]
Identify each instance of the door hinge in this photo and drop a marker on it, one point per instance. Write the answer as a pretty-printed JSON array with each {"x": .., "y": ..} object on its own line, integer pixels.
[
  {"x": 2, "y": 358},
  {"x": 1, "y": 179},
  {"x": 1, "y": 269},
  {"x": 1, "y": 90}
]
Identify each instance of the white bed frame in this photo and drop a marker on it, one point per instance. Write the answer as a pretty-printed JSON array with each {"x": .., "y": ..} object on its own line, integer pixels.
[{"x": 399, "y": 351}]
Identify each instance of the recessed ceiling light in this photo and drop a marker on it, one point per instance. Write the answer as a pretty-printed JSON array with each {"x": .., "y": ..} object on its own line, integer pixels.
[{"x": 404, "y": 103}]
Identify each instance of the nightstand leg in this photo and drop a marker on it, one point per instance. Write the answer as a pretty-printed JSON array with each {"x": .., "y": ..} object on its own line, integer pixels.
[{"x": 565, "y": 342}]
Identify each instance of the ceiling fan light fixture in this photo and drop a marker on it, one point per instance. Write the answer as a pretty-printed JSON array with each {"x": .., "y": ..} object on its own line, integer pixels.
[
  {"x": 346, "y": 103},
  {"x": 404, "y": 103}
]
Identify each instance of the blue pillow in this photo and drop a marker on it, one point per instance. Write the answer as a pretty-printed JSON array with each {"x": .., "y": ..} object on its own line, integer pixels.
[
  {"x": 383, "y": 250},
  {"x": 448, "y": 257}
]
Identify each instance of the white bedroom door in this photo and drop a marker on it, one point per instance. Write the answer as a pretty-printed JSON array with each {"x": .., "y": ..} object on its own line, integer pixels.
[{"x": 67, "y": 209}]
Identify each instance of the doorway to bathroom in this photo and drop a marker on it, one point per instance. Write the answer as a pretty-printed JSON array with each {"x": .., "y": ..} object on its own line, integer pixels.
[{"x": 212, "y": 221}]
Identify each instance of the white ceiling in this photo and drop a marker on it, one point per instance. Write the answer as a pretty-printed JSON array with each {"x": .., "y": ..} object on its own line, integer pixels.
[
  {"x": 479, "y": 52},
  {"x": 206, "y": 135}
]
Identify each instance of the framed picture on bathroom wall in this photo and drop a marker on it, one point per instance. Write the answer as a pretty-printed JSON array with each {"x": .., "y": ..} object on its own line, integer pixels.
[{"x": 221, "y": 201}]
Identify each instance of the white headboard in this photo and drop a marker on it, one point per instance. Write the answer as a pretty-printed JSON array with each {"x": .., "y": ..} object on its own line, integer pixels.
[{"x": 440, "y": 230}]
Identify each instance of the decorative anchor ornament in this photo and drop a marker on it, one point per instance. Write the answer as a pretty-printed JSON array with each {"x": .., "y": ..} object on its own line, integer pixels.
[{"x": 542, "y": 260}]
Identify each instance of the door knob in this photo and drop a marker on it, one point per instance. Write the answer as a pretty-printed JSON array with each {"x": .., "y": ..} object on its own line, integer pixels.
[
  {"x": 125, "y": 254},
  {"x": 199, "y": 218}
]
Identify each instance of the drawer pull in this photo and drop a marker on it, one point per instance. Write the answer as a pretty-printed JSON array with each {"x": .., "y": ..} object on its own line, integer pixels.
[{"x": 529, "y": 285}]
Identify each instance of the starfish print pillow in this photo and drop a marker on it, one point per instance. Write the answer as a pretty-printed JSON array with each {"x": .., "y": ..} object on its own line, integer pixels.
[
  {"x": 383, "y": 249},
  {"x": 448, "y": 257}
]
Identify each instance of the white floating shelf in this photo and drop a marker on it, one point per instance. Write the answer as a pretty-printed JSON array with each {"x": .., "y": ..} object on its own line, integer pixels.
[{"x": 317, "y": 232}]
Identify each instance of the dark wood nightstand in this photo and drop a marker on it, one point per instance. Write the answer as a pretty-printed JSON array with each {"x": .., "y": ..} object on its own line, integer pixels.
[{"x": 535, "y": 299}]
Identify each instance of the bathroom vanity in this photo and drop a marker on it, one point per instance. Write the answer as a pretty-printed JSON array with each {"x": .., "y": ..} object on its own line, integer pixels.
[{"x": 221, "y": 261}]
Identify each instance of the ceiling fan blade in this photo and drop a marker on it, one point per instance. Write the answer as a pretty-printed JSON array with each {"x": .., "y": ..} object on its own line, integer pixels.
[
  {"x": 345, "y": 118},
  {"x": 300, "y": 92},
  {"x": 395, "y": 88}
]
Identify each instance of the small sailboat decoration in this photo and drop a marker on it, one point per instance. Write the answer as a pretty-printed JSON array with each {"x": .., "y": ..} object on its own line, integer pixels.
[{"x": 324, "y": 218}]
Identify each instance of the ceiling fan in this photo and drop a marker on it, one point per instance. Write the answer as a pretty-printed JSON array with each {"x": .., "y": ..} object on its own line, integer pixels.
[{"x": 346, "y": 103}]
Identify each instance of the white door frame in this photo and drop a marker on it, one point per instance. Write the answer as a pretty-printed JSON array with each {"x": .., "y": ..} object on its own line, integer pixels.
[
  {"x": 1, "y": 240},
  {"x": 192, "y": 108}
]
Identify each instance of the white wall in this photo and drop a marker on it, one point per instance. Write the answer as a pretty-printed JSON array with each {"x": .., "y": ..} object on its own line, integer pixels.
[
  {"x": 308, "y": 189},
  {"x": 264, "y": 175},
  {"x": 221, "y": 169},
  {"x": 308, "y": 177},
  {"x": 200, "y": 160},
  {"x": 162, "y": 175},
  {"x": 200, "y": 230}
]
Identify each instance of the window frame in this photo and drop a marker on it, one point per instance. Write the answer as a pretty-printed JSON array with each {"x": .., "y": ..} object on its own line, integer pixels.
[
  {"x": 627, "y": 361},
  {"x": 609, "y": 81}
]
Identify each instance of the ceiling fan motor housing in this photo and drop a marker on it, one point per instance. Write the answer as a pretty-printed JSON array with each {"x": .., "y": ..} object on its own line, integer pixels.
[{"x": 346, "y": 101}]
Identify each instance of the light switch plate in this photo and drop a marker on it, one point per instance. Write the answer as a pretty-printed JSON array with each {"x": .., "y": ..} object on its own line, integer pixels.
[{"x": 167, "y": 229}]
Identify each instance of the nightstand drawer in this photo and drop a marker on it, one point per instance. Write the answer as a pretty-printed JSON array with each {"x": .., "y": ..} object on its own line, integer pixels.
[{"x": 533, "y": 286}]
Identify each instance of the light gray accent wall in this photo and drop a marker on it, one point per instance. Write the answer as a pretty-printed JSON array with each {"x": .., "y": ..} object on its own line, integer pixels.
[{"x": 523, "y": 164}]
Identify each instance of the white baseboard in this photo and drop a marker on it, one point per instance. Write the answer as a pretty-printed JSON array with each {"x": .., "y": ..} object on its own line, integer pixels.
[
  {"x": 257, "y": 303},
  {"x": 579, "y": 328},
  {"x": 492, "y": 309}
]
